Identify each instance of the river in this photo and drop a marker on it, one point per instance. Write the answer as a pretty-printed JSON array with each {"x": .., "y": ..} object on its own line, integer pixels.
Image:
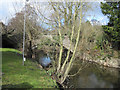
[
  {"x": 91, "y": 76},
  {"x": 94, "y": 76}
]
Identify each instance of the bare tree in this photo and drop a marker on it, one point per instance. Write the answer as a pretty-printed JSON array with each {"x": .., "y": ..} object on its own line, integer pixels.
[
  {"x": 63, "y": 18},
  {"x": 32, "y": 28}
]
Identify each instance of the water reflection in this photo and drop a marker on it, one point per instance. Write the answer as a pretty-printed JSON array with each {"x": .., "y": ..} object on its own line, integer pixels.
[
  {"x": 95, "y": 76},
  {"x": 43, "y": 58},
  {"x": 44, "y": 61}
]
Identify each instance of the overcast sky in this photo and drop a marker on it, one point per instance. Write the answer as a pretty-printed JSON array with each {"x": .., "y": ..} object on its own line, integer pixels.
[{"x": 7, "y": 10}]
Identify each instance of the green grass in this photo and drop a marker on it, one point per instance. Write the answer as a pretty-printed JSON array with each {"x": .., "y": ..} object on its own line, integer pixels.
[
  {"x": 10, "y": 49},
  {"x": 18, "y": 76}
]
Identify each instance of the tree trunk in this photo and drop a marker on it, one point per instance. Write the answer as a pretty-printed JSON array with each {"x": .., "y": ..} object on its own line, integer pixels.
[{"x": 30, "y": 51}]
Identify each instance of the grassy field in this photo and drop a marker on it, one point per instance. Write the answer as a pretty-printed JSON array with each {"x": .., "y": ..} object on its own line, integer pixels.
[{"x": 15, "y": 75}]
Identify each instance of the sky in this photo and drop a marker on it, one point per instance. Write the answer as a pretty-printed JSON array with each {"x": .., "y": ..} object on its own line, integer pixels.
[{"x": 7, "y": 10}]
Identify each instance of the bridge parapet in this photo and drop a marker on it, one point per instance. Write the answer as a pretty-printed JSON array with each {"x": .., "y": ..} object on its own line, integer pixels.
[{"x": 66, "y": 41}]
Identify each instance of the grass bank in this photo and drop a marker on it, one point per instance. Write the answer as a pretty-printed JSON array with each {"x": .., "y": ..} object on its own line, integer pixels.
[{"x": 15, "y": 75}]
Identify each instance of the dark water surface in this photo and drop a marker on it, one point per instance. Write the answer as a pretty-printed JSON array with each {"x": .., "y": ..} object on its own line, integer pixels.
[
  {"x": 94, "y": 76},
  {"x": 91, "y": 75}
]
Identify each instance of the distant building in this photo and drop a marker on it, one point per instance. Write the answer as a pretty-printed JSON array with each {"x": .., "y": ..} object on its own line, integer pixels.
[{"x": 95, "y": 22}]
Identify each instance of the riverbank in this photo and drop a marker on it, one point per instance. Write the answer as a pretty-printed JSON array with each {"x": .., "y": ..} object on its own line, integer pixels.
[
  {"x": 15, "y": 75},
  {"x": 96, "y": 57},
  {"x": 107, "y": 62}
]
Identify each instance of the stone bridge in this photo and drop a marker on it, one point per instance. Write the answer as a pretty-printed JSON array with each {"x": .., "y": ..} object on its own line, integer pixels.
[{"x": 66, "y": 42}]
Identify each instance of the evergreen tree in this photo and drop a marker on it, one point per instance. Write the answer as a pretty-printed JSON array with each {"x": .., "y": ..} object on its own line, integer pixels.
[{"x": 112, "y": 10}]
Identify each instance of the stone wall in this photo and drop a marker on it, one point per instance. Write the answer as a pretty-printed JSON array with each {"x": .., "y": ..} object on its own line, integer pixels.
[{"x": 108, "y": 62}]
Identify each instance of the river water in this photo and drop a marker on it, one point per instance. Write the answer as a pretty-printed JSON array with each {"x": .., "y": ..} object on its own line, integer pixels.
[
  {"x": 90, "y": 76},
  {"x": 43, "y": 58},
  {"x": 94, "y": 76}
]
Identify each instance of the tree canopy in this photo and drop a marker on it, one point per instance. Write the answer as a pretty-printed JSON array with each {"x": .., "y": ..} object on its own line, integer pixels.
[{"x": 112, "y": 10}]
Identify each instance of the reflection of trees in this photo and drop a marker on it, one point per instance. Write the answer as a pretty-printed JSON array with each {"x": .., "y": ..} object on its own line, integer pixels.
[
  {"x": 108, "y": 74},
  {"x": 102, "y": 74}
]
